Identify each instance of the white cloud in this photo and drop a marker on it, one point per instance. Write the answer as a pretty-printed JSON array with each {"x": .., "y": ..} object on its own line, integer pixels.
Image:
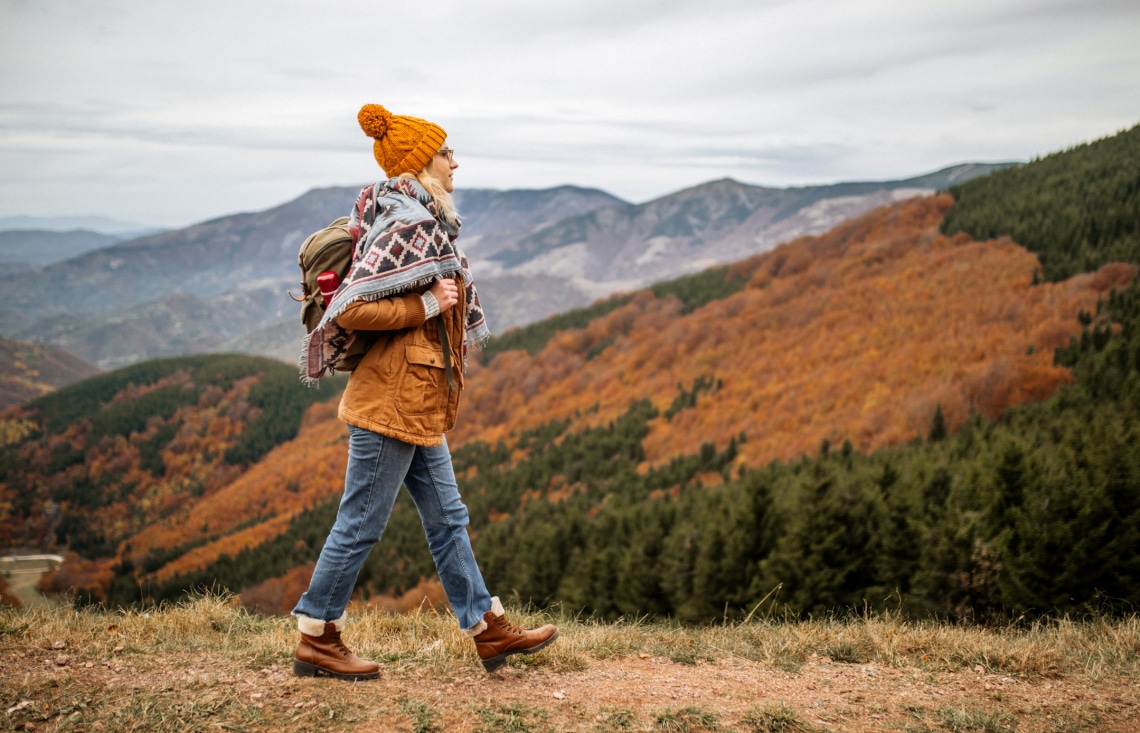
[{"x": 168, "y": 113}]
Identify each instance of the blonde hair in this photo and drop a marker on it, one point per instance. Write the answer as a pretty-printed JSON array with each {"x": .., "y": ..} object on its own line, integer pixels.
[{"x": 444, "y": 204}]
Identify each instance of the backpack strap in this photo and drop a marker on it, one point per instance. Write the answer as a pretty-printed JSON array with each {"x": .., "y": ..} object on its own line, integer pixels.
[{"x": 445, "y": 342}]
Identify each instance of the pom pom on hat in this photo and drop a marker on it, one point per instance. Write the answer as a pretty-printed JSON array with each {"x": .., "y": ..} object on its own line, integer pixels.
[
  {"x": 373, "y": 120},
  {"x": 401, "y": 144}
]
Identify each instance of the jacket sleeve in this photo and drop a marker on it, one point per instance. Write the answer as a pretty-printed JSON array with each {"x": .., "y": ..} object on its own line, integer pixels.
[{"x": 386, "y": 314}]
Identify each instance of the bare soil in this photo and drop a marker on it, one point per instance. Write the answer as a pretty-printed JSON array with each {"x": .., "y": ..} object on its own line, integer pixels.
[
  {"x": 52, "y": 690},
  {"x": 208, "y": 665}
]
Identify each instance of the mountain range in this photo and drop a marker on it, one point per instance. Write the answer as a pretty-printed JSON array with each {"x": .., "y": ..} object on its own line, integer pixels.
[
  {"x": 99, "y": 224},
  {"x": 221, "y": 284},
  {"x": 28, "y": 249}
]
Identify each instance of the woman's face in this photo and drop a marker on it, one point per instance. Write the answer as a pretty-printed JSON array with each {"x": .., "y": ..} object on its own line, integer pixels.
[{"x": 443, "y": 167}]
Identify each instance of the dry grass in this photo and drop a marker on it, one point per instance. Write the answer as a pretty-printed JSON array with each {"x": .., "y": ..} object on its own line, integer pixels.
[
  {"x": 199, "y": 665},
  {"x": 1042, "y": 649}
]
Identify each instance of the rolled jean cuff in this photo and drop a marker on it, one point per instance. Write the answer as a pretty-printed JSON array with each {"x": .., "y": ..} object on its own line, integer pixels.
[
  {"x": 479, "y": 628},
  {"x": 316, "y": 627}
]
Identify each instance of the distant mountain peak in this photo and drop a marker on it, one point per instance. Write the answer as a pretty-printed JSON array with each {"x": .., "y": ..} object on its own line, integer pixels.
[{"x": 714, "y": 187}]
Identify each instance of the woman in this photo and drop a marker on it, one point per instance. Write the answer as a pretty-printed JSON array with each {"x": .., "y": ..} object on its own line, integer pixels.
[{"x": 409, "y": 287}]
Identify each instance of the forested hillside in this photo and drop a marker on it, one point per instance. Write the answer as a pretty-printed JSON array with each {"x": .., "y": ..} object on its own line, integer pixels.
[
  {"x": 1076, "y": 209},
  {"x": 884, "y": 414},
  {"x": 628, "y": 494},
  {"x": 1038, "y": 511},
  {"x": 89, "y": 467},
  {"x": 1024, "y": 510},
  {"x": 861, "y": 334}
]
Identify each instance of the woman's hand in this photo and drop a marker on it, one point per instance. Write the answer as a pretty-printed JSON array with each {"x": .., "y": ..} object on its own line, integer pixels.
[{"x": 446, "y": 293}]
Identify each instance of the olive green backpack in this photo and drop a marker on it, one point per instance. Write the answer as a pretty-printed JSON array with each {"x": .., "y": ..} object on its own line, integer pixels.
[{"x": 324, "y": 252}]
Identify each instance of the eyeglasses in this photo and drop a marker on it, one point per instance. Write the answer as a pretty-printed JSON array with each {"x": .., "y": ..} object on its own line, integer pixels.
[{"x": 449, "y": 152}]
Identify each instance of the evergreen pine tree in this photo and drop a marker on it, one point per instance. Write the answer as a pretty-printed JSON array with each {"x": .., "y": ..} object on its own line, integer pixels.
[
  {"x": 938, "y": 426},
  {"x": 828, "y": 559}
]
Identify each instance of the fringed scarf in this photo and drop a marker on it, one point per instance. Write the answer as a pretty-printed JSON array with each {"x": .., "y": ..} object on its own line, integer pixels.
[{"x": 402, "y": 244}]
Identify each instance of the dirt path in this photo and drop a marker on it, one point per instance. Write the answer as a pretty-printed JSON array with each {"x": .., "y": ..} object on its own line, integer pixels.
[{"x": 208, "y": 691}]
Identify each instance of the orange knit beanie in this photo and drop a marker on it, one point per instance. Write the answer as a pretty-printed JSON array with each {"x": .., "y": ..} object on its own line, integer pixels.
[{"x": 402, "y": 144}]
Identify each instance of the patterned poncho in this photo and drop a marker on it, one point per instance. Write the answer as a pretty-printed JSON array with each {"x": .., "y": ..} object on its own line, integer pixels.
[{"x": 402, "y": 245}]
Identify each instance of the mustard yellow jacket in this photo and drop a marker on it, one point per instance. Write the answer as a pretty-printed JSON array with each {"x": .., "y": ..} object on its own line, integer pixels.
[{"x": 400, "y": 387}]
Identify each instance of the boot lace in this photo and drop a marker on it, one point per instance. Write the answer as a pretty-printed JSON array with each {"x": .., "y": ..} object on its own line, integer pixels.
[
  {"x": 507, "y": 626},
  {"x": 339, "y": 645}
]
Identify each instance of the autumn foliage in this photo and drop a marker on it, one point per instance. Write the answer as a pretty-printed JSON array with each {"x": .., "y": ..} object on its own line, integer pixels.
[
  {"x": 135, "y": 469},
  {"x": 859, "y": 334}
]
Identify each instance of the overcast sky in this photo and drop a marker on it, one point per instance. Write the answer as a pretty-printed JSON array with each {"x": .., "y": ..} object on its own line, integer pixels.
[{"x": 167, "y": 113}]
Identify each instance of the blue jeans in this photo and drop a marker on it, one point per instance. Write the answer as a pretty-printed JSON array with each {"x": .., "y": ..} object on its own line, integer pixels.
[{"x": 377, "y": 465}]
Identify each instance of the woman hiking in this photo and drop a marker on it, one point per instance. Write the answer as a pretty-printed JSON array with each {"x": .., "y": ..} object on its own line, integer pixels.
[{"x": 410, "y": 287}]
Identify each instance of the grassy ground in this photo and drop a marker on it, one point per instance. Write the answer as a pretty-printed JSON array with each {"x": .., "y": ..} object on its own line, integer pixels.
[{"x": 206, "y": 665}]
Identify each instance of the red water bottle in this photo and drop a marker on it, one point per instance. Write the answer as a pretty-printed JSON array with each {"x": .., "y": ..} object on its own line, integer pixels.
[{"x": 328, "y": 281}]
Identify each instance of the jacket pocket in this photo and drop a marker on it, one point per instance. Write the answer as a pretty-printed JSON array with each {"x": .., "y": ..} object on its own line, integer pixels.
[{"x": 423, "y": 386}]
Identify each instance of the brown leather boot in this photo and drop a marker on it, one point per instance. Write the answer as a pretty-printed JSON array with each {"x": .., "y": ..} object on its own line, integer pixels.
[
  {"x": 327, "y": 656},
  {"x": 501, "y": 638}
]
